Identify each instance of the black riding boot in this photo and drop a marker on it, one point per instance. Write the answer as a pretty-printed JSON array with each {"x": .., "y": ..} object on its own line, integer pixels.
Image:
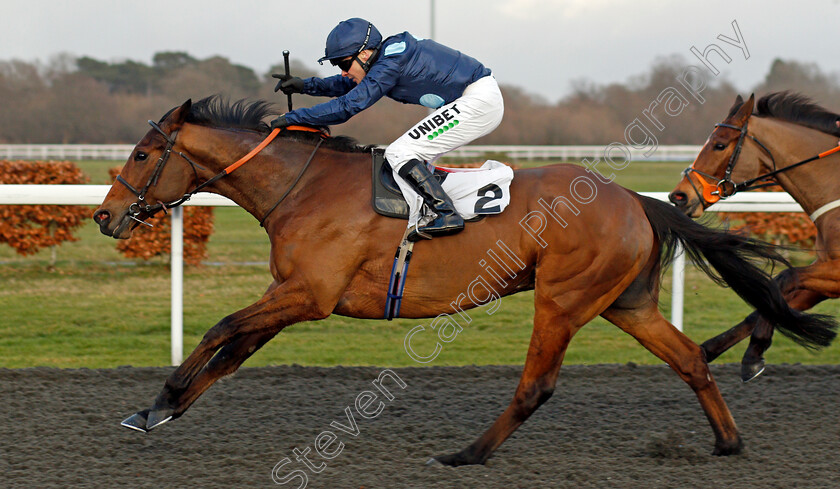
[{"x": 448, "y": 221}]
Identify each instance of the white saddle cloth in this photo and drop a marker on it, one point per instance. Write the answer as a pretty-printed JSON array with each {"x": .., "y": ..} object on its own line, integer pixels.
[{"x": 474, "y": 191}]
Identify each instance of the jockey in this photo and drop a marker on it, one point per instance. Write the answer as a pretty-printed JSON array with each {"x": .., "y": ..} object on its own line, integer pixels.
[{"x": 465, "y": 96}]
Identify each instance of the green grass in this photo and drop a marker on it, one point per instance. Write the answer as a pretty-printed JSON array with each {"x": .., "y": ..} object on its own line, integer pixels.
[
  {"x": 97, "y": 309},
  {"x": 97, "y": 170}
]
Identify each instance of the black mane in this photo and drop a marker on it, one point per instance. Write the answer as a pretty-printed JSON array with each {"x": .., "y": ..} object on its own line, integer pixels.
[
  {"x": 217, "y": 111},
  {"x": 798, "y": 109}
]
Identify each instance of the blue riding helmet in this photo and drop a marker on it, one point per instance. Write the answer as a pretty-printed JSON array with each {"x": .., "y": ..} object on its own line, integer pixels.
[{"x": 351, "y": 37}]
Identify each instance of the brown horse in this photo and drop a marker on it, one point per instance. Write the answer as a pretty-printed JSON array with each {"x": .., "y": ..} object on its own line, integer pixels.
[
  {"x": 780, "y": 141},
  {"x": 585, "y": 248}
]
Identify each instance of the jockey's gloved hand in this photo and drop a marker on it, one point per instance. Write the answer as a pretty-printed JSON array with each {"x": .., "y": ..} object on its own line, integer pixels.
[
  {"x": 288, "y": 83},
  {"x": 280, "y": 122}
]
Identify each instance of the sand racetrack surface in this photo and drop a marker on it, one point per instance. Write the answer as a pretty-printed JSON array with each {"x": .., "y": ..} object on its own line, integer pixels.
[{"x": 611, "y": 426}]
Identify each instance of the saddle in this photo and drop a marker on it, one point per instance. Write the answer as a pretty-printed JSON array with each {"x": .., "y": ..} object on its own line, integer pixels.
[{"x": 387, "y": 198}]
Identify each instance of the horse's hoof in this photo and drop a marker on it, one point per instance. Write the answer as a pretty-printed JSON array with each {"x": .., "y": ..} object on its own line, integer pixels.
[
  {"x": 443, "y": 461},
  {"x": 749, "y": 371},
  {"x": 158, "y": 417},
  {"x": 433, "y": 462},
  {"x": 731, "y": 448},
  {"x": 137, "y": 421},
  {"x": 453, "y": 460}
]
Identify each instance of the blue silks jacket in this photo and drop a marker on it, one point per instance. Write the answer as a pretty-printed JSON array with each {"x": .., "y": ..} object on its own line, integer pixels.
[{"x": 408, "y": 69}]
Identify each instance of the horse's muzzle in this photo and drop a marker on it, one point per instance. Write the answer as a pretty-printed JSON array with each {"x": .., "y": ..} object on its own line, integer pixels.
[
  {"x": 678, "y": 198},
  {"x": 115, "y": 228},
  {"x": 103, "y": 219},
  {"x": 690, "y": 207}
]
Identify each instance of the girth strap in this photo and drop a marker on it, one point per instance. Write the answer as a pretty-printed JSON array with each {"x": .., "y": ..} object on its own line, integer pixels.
[{"x": 396, "y": 284}]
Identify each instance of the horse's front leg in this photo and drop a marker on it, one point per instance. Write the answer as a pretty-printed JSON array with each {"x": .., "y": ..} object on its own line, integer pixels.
[
  {"x": 803, "y": 288},
  {"x": 801, "y": 292},
  {"x": 714, "y": 347},
  {"x": 752, "y": 363},
  {"x": 226, "y": 346}
]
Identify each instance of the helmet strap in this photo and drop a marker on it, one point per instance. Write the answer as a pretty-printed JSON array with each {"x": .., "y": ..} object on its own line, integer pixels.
[{"x": 366, "y": 65}]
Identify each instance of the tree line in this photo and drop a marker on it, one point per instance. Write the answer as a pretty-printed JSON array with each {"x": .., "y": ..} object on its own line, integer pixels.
[{"x": 84, "y": 100}]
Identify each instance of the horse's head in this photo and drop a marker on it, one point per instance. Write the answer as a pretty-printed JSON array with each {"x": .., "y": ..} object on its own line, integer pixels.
[
  {"x": 156, "y": 175},
  {"x": 714, "y": 173}
]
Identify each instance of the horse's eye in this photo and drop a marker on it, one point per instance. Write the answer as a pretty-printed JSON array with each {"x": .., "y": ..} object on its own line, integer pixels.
[
  {"x": 720, "y": 147},
  {"x": 140, "y": 156}
]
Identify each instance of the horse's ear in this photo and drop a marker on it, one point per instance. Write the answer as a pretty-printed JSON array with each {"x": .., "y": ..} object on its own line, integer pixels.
[
  {"x": 744, "y": 112},
  {"x": 176, "y": 118},
  {"x": 739, "y": 101}
]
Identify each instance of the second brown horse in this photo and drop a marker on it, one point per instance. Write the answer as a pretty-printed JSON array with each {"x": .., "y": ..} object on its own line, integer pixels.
[{"x": 782, "y": 139}]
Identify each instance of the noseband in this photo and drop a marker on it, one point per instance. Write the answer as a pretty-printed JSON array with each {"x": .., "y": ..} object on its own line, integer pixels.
[{"x": 712, "y": 192}]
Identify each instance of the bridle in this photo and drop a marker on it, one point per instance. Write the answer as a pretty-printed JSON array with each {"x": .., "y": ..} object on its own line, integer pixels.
[
  {"x": 713, "y": 192},
  {"x": 142, "y": 205}
]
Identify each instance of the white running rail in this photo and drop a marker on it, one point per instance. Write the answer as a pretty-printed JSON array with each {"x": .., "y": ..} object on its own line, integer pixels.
[{"x": 95, "y": 194}]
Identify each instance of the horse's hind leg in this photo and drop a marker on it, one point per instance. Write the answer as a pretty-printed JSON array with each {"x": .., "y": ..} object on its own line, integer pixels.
[
  {"x": 662, "y": 339},
  {"x": 549, "y": 340}
]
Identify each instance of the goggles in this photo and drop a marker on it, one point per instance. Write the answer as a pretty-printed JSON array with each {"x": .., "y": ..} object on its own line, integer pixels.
[{"x": 344, "y": 64}]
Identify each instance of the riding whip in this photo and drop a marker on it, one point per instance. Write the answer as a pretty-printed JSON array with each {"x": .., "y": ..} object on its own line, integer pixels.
[{"x": 286, "y": 63}]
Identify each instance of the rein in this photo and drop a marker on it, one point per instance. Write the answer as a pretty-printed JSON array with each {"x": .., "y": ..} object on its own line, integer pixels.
[
  {"x": 141, "y": 205},
  {"x": 712, "y": 193}
]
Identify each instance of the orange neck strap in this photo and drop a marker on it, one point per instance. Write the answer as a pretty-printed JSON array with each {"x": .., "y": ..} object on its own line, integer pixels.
[
  {"x": 266, "y": 141},
  {"x": 254, "y": 152},
  {"x": 308, "y": 129}
]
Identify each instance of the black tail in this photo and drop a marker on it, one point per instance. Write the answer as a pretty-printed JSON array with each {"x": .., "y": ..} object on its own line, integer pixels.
[{"x": 736, "y": 259}]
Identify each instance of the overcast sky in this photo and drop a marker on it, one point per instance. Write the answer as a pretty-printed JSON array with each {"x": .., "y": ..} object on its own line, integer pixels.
[{"x": 539, "y": 45}]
